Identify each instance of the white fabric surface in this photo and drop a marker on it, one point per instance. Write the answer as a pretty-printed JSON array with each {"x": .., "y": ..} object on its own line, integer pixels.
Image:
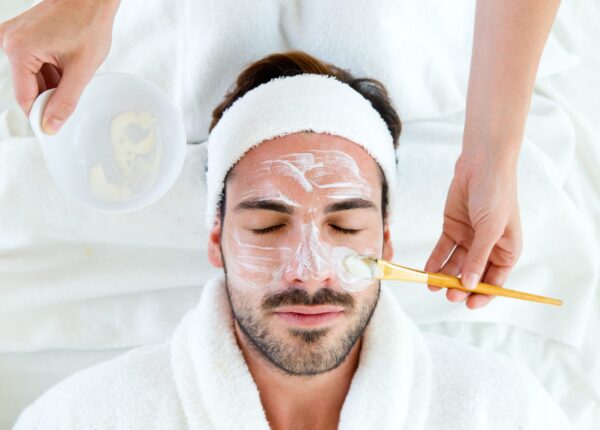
[
  {"x": 71, "y": 278},
  {"x": 290, "y": 105},
  {"x": 554, "y": 230},
  {"x": 33, "y": 218},
  {"x": 167, "y": 242},
  {"x": 570, "y": 373},
  {"x": 196, "y": 380},
  {"x": 419, "y": 50},
  {"x": 24, "y": 377}
]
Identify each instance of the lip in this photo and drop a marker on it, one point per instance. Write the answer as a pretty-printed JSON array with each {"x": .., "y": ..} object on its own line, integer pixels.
[{"x": 309, "y": 316}]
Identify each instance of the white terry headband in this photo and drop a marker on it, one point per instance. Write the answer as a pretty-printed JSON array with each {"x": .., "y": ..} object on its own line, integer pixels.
[{"x": 282, "y": 106}]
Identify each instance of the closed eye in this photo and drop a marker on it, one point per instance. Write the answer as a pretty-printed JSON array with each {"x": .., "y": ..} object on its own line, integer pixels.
[
  {"x": 344, "y": 230},
  {"x": 268, "y": 229}
]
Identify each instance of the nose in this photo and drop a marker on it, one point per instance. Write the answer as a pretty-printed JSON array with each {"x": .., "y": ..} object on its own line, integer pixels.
[{"x": 310, "y": 266}]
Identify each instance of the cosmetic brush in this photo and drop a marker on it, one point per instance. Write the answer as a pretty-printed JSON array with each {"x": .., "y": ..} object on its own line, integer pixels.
[{"x": 386, "y": 271}]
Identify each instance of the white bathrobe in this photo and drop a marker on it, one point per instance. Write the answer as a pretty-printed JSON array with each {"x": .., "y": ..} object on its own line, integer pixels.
[{"x": 199, "y": 380}]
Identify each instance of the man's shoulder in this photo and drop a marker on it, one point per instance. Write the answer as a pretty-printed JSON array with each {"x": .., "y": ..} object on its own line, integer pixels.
[
  {"x": 491, "y": 386},
  {"x": 124, "y": 388}
]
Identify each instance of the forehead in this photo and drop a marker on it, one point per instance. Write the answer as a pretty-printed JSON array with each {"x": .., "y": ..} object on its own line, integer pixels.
[{"x": 308, "y": 153}]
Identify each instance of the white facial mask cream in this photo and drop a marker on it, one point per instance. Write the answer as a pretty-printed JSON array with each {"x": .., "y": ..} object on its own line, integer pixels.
[
  {"x": 329, "y": 176},
  {"x": 358, "y": 267},
  {"x": 135, "y": 160},
  {"x": 268, "y": 268},
  {"x": 269, "y": 192},
  {"x": 313, "y": 170}
]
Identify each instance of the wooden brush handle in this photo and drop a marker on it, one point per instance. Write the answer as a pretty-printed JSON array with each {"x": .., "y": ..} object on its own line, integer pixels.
[{"x": 447, "y": 281}]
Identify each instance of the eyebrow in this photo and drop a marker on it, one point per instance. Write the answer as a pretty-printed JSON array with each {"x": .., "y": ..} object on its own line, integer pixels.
[
  {"x": 345, "y": 205},
  {"x": 276, "y": 206},
  {"x": 270, "y": 205}
]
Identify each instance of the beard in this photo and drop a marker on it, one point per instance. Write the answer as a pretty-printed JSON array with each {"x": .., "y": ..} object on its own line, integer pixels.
[{"x": 304, "y": 352}]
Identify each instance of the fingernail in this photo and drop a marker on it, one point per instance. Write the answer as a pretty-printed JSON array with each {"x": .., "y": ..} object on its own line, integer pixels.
[
  {"x": 52, "y": 125},
  {"x": 469, "y": 281}
]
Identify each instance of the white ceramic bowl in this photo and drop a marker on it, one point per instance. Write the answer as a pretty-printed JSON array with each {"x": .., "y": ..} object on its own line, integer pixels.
[{"x": 121, "y": 150}]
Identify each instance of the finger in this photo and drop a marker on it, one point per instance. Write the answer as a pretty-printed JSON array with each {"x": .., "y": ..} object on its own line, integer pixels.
[
  {"x": 452, "y": 268},
  {"x": 64, "y": 100},
  {"x": 476, "y": 301},
  {"x": 455, "y": 262},
  {"x": 477, "y": 257},
  {"x": 438, "y": 256},
  {"x": 496, "y": 275},
  {"x": 25, "y": 87},
  {"x": 455, "y": 295}
]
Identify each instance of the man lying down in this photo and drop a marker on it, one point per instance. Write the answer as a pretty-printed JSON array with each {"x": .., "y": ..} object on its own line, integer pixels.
[{"x": 301, "y": 173}]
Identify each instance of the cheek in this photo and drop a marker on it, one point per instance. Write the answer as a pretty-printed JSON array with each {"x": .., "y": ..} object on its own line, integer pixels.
[
  {"x": 368, "y": 244},
  {"x": 245, "y": 305},
  {"x": 345, "y": 279},
  {"x": 251, "y": 266}
]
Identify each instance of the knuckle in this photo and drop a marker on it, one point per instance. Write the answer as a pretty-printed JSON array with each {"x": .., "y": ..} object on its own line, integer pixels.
[
  {"x": 507, "y": 258},
  {"x": 13, "y": 43},
  {"x": 510, "y": 259},
  {"x": 451, "y": 226},
  {"x": 478, "y": 261}
]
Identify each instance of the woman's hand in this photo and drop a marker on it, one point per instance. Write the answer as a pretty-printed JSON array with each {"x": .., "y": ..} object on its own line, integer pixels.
[
  {"x": 58, "y": 44},
  {"x": 481, "y": 238}
]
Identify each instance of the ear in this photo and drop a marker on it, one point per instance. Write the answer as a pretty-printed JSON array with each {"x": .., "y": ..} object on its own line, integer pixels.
[
  {"x": 388, "y": 249},
  {"x": 214, "y": 244}
]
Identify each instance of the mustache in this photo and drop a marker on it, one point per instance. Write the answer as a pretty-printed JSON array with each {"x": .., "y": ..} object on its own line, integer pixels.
[{"x": 298, "y": 296}]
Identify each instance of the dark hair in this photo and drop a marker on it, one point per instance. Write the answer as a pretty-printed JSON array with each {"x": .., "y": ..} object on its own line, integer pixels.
[{"x": 296, "y": 63}]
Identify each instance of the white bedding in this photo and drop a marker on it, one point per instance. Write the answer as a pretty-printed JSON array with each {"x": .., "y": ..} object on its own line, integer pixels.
[{"x": 71, "y": 280}]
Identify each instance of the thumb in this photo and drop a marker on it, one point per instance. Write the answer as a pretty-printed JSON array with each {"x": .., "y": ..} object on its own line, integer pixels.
[
  {"x": 477, "y": 257},
  {"x": 62, "y": 103}
]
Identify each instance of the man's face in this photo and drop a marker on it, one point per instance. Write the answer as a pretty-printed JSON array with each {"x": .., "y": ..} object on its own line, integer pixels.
[{"x": 295, "y": 207}]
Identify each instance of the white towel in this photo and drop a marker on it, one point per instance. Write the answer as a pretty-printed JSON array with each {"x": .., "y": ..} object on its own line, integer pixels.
[
  {"x": 293, "y": 104},
  {"x": 68, "y": 280},
  {"x": 200, "y": 380}
]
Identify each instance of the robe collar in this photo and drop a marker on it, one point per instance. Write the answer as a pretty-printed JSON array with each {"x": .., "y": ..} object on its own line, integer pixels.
[{"x": 390, "y": 388}]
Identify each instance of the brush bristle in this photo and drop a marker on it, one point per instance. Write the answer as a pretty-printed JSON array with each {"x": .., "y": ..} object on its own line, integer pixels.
[{"x": 359, "y": 267}]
